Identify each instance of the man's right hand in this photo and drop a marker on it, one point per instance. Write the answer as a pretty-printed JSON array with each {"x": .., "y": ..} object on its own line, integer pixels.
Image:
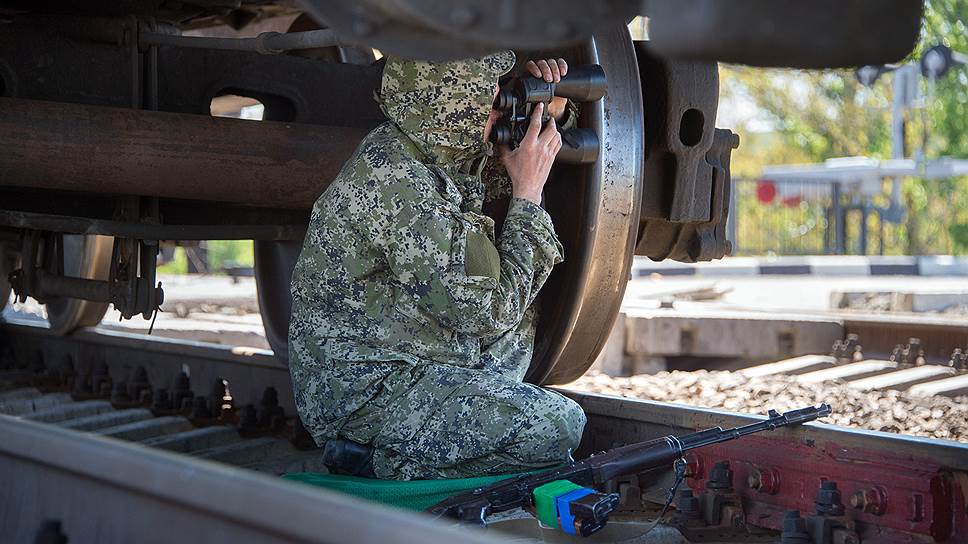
[{"x": 529, "y": 164}]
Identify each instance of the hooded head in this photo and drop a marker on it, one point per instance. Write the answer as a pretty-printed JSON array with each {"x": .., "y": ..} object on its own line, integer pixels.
[{"x": 443, "y": 106}]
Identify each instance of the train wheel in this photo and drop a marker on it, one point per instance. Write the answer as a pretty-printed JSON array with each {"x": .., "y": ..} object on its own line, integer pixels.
[
  {"x": 595, "y": 210},
  {"x": 8, "y": 262},
  {"x": 274, "y": 262},
  {"x": 84, "y": 257}
]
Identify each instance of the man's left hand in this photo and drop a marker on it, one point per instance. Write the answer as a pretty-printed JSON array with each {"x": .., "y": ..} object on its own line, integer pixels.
[{"x": 551, "y": 70}]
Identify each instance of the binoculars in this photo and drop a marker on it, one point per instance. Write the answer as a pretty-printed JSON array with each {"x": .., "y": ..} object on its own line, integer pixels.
[{"x": 517, "y": 99}]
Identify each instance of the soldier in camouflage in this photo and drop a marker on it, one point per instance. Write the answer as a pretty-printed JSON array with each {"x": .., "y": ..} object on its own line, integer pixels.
[{"x": 413, "y": 320}]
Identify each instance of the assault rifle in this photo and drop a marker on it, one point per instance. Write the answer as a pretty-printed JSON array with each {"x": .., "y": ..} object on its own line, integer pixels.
[{"x": 561, "y": 496}]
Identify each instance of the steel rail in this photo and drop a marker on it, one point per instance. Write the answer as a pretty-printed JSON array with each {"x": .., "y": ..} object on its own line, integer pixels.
[{"x": 105, "y": 490}]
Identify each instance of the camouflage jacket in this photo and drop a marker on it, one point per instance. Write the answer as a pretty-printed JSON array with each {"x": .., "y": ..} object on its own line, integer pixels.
[{"x": 400, "y": 266}]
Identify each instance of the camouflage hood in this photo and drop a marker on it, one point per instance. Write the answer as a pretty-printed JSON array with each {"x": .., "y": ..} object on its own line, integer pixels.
[{"x": 443, "y": 106}]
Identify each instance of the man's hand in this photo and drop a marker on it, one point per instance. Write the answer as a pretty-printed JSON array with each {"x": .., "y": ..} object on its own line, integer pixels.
[
  {"x": 530, "y": 164},
  {"x": 551, "y": 70}
]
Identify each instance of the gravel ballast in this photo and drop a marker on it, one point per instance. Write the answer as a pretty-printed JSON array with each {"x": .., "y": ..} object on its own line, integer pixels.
[{"x": 886, "y": 410}]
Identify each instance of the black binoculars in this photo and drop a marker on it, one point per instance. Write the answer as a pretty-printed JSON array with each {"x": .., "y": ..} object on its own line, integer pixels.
[{"x": 517, "y": 99}]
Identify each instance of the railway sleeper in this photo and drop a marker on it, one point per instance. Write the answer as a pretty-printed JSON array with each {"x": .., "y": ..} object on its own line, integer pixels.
[
  {"x": 107, "y": 419},
  {"x": 921, "y": 479}
]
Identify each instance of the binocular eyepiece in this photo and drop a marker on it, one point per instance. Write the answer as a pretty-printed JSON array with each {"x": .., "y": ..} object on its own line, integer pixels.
[{"x": 582, "y": 84}]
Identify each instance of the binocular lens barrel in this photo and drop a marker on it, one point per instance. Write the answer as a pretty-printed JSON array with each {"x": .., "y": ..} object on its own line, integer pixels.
[
  {"x": 582, "y": 84},
  {"x": 578, "y": 146}
]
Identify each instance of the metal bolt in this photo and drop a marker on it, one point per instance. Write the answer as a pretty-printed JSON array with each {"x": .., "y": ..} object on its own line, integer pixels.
[
  {"x": 688, "y": 505},
  {"x": 871, "y": 501},
  {"x": 66, "y": 373},
  {"x": 721, "y": 476},
  {"x": 829, "y": 499},
  {"x": 694, "y": 466},
  {"x": 38, "y": 366},
  {"x": 120, "y": 393},
  {"x": 794, "y": 529},
  {"x": 270, "y": 397},
  {"x": 858, "y": 500},
  {"x": 916, "y": 507},
  {"x": 82, "y": 384},
  {"x": 200, "y": 409},
  {"x": 764, "y": 480},
  {"x": 160, "y": 400},
  {"x": 249, "y": 420}
]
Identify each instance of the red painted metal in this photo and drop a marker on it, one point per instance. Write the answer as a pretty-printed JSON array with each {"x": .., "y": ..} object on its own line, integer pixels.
[{"x": 892, "y": 496}]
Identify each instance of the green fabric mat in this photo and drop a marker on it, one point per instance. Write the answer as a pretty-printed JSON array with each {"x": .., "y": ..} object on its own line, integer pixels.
[{"x": 412, "y": 495}]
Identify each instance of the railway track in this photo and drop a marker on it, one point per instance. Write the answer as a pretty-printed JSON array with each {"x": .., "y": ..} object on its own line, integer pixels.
[
  {"x": 903, "y": 372},
  {"x": 91, "y": 453}
]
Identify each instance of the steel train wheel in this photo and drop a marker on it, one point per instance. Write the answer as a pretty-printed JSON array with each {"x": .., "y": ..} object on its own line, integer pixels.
[
  {"x": 7, "y": 263},
  {"x": 274, "y": 262},
  {"x": 595, "y": 210},
  {"x": 84, "y": 257}
]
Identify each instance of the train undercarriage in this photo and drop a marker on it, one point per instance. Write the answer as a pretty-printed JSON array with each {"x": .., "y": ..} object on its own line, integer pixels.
[{"x": 110, "y": 149}]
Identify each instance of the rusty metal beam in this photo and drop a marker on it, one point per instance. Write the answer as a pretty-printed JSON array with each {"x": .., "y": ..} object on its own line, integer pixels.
[{"x": 72, "y": 147}]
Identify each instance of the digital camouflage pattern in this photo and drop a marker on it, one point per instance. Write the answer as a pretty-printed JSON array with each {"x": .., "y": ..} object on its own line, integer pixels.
[{"x": 413, "y": 324}]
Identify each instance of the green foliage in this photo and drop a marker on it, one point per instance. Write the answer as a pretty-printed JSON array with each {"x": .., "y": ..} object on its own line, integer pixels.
[
  {"x": 820, "y": 115},
  {"x": 223, "y": 253},
  {"x": 178, "y": 265},
  {"x": 946, "y": 21}
]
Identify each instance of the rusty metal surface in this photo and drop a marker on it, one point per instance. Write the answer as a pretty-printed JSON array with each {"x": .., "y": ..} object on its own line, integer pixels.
[
  {"x": 686, "y": 186},
  {"x": 118, "y": 151},
  {"x": 105, "y": 490},
  {"x": 641, "y": 419},
  {"x": 923, "y": 479},
  {"x": 87, "y": 225}
]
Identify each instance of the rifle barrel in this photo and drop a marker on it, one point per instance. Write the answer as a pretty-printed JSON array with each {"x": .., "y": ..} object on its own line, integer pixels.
[{"x": 718, "y": 434}]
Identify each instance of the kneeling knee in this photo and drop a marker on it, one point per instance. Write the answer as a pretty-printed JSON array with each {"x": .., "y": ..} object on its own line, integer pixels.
[
  {"x": 555, "y": 427},
  {"x": 572, "y": 425}
]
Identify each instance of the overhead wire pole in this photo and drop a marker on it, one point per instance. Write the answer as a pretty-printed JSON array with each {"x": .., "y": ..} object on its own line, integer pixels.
[{"x": 905, "y": 89}]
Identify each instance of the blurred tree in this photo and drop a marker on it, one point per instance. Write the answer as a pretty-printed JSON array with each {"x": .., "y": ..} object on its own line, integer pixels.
[{"x": 819, "y": 115}]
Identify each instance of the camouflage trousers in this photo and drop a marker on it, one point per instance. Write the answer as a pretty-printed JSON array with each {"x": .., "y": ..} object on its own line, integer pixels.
[{"x": 455, "y": 422}]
